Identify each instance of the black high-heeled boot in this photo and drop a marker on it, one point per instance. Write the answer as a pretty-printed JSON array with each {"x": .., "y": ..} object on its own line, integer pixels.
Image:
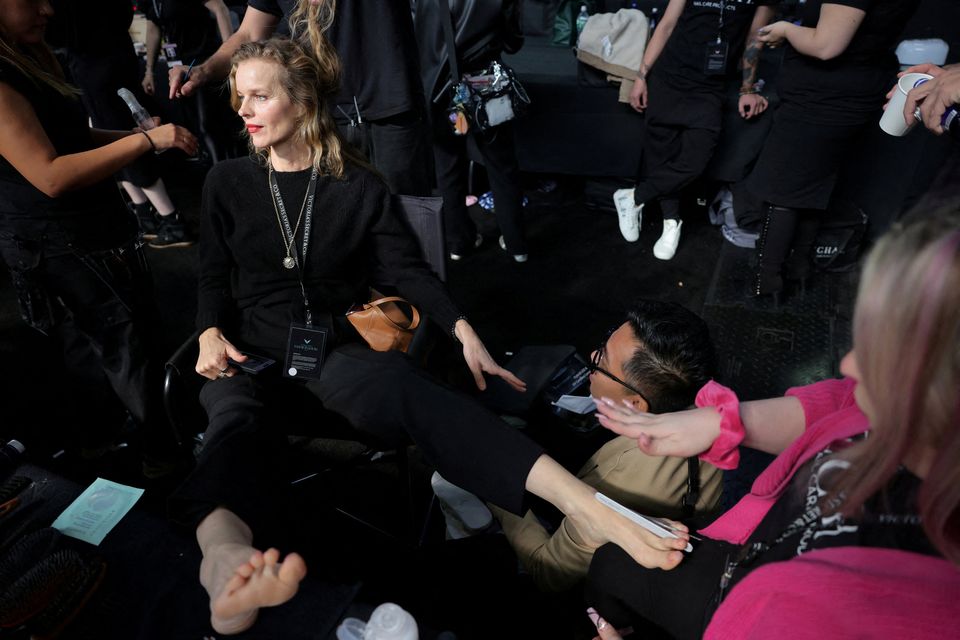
[
  {"x": 799, "y": 265},
  {"x": 776, "y": 237}
]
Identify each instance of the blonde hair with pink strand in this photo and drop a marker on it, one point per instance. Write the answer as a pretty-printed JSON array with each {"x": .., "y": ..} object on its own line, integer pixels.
[{"x": 907, "y": 343}]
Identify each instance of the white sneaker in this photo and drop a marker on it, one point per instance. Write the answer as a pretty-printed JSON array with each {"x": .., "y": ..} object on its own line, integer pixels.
[
  {"x": 519, "y": 257},
  {"x": 629, "y": 213},
  {"x": 666, "y": 246},
  {"x": 476, "y": 245},
  {"x": 464, "y": 512}
]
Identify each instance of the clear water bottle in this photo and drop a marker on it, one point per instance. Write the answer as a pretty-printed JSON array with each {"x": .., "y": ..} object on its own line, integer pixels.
[
  {"x": 140, "y": 115},
  {"x": 582, "y": 18},
  {"x": 387, "y": 622}
]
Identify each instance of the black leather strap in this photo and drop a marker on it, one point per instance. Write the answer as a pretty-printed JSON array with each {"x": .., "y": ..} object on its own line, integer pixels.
[
  {"x": 690, "y": 499},
  {"x": 447, "y": 21}
]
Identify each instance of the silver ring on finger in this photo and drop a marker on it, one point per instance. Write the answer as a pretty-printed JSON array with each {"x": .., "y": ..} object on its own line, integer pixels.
[{"x": 222, "y": 373}]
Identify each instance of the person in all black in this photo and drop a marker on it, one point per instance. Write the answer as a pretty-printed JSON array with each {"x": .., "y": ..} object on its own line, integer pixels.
[
  {"x": 65, "y": 234},
  {"x": 868, "y": 461},
  {"x": 483, "y": 30},
  {"x": 839, "y": 63},
  {"x": 683, "y": 75},
  {"x": 379, "y": 105},
  {"x": 196, "y": 28},
  {"x": 100, "y": 60},
  {"x": 291, "y": 239}
]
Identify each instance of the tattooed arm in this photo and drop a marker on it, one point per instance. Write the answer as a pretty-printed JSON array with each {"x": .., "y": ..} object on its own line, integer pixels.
[{"x": 751, "y": 102}]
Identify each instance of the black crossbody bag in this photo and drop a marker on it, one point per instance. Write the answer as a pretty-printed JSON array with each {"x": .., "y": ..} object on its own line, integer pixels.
[{"x": 485, "y": 99}]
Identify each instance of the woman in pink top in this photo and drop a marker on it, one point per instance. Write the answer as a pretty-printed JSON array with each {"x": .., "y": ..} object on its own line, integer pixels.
[{"x": 863, "y": 498}]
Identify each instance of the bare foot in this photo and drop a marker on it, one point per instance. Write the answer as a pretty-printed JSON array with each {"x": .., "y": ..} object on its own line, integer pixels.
[
  {"x": 240, "y": 580},
  {"x": 600, "y": 525}
]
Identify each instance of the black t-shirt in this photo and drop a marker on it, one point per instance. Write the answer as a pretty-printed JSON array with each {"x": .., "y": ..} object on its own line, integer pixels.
[
  {"x": 93, "y": 217},
  {"x": 378, "y": 54},
  {"x": 890, "y": 519},
  {"x": 682, "y": 61},
  {"x": 188, "y": 24},
  {"x": 850, "y": 88}
]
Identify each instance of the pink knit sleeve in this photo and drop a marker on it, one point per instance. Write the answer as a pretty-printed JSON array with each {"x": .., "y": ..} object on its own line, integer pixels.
[{"x": 821, "y": 399}]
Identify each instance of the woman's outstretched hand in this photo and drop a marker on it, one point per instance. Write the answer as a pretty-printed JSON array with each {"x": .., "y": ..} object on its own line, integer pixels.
[
  {"x": 169, "y": 136},
  {"x": 682, "y": 433},
  {"x": 479, "y": 361},
  {"x": 212, "y": 363}
]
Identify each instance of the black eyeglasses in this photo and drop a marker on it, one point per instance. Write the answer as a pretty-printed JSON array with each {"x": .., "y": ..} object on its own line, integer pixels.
[{"x": 595, "y": 366}]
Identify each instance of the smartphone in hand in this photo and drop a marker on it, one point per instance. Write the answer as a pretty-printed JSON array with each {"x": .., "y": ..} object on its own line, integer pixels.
[{"x": 253, "y": 365}]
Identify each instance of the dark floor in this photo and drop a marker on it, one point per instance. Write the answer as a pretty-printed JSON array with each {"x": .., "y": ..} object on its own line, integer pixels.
[{"x": 580, "y": 277}]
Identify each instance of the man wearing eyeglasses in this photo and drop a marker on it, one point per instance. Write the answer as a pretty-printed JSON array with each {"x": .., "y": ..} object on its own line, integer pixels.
[{"x": 655, "y": 361}]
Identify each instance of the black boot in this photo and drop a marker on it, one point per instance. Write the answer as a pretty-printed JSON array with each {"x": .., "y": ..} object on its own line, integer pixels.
[
  {"x": 147, "y": 220},
  {"x": 799, "y": 265},
  {"x": 172, "y": 233},
  {"x": 776, "y": 237}
]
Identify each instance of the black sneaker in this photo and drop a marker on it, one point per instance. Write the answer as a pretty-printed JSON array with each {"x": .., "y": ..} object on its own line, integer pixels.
[
  {"x": 172, "y": 233},
  {"x": 147, "y": 219}
]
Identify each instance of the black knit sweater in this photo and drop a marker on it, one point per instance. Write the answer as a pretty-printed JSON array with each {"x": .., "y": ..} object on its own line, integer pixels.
[{"x": 357, "y": 240}]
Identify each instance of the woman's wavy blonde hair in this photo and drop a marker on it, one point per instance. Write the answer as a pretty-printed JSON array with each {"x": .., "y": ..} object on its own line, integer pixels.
[
  {"x": 907, "y": 341},
  {"x": 308, "y": 82},
  {"x": 309, "y": 24}
]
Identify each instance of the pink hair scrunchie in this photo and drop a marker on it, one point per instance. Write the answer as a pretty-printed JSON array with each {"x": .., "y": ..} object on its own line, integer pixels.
[{"x": 725, "y": 452}]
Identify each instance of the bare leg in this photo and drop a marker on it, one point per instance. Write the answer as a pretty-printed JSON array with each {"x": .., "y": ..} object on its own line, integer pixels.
[
  {"x": 594, "y": 523},
  {"x": 137, "y": 196},
  {"x": 159, "y": 198},
  {"x": 238, "y": 578}
]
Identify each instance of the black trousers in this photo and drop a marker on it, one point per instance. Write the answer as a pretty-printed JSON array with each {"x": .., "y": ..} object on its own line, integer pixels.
[
  {"x": 800, "y": 162},
  {"x": 103, "y": 313},
  {"x": 503, "y": 169},
  {"x": 681, "y": 131},
  {"x": 241, "y": 466},
  {"x": 657, "y": 603},
  {"x": 398, "y": 147}
]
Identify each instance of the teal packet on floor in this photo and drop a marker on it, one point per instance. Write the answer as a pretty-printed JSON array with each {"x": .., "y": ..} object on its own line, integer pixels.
[{"x": 97, "y": 511}]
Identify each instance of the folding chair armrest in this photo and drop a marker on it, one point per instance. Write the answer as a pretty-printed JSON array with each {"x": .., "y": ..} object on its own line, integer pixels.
[
  {"x": 179, "y": 365},
  {"x": 185, "y": 357}
]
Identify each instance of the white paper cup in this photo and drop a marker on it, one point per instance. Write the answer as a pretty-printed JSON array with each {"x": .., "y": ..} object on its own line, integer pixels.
[{"x": 892, "y": 121}]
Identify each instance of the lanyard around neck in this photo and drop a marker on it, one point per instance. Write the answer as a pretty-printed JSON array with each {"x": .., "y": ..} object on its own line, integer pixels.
[
  {"x": 720, "y": 23},
  {"x": 289, "y": 234}
]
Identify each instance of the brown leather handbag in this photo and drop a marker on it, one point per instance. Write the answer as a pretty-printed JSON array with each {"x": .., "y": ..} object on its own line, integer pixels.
[{"x": 383, "y": 324}]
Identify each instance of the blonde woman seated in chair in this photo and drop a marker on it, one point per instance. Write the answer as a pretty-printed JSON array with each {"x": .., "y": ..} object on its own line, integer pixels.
[{"x": 265, "y": 277}]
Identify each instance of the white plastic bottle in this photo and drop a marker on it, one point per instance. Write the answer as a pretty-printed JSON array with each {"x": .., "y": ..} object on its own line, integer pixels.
[
  {"x": 582, "y": 18},
  {"x": 387, "y": 622},
  {"x": 391, "y": 622}
]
